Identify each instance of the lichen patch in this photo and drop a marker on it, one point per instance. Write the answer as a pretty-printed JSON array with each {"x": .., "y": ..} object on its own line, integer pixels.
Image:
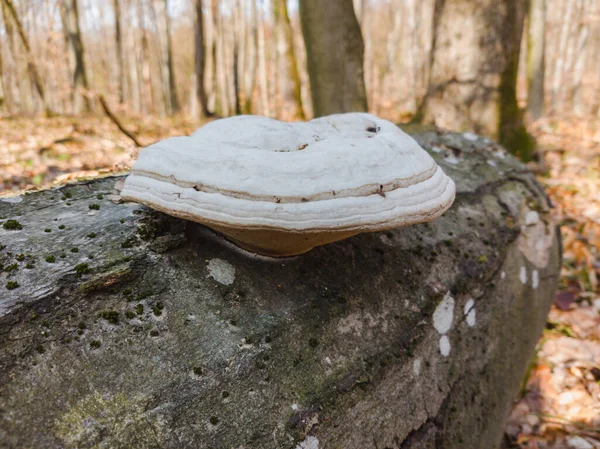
[
  {"x": 445, "y": 345},
  {"x": 444, "y": 314},
  {"x": 309, "y": 443},
  {"x": 417, "y": 367},
  {"x": 470, "y": 312},
  {"x": 523, "y": 275},
  {"x": 535, "y": 279},
  {"x": 221, "y": 271}
]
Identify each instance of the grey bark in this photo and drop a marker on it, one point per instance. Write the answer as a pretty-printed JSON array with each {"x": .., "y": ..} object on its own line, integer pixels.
[
  {"x": 334, "y": 55},
  {"x": 474, "y": 71},
  {"x": 559, "y": 62},
  {"x": 536, "y": 57},
  {"x": 81, "y": 102},
  {"x": 262, "y": 67},
  {"x": 121, "y": 73},
  {"x": 171, "y": 338}
]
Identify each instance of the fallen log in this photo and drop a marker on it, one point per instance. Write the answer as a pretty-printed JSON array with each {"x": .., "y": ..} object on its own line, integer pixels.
[{"x": 122, "y": 327}]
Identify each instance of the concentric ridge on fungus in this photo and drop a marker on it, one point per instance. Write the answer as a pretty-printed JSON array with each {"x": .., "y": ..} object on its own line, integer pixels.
[{"x": 280, "y": 189}]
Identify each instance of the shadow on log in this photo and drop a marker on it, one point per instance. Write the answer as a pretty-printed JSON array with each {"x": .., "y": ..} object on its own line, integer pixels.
[{"x": 122, "y": 327}]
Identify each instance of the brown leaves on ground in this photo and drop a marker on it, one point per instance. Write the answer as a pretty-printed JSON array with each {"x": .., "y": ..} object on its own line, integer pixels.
[
  {"x": 560, "y": 405},
  {"x": 38, "y": 152}
]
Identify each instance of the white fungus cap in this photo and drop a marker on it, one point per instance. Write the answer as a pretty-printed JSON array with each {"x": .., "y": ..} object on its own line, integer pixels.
[{"x": 328, "y": 178}]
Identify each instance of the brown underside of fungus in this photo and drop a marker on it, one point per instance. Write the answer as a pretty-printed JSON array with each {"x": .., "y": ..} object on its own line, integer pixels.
[{"x": 280, "y": 189}]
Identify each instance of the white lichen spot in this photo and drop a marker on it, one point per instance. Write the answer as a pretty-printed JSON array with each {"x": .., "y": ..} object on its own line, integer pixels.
[
  {"x": 532, "y": 218},
  {"x": 310, "y": 443},
  {"x": 444, "y": 314},
  {"x": 491, "y": 163},
  {"x": 470, "y": 136},
  {"x": 535, "y": 279},
  {"x": 417, "y": 367},
  {"x": 328, "y": 360},
  {"x": 470, "y": 312},
  {"x": 12, "y": 199},
  {"x": 523, "y": 275},
  {"x": 436, "y": 149},
  {"x": 294, "y": 407},
  {"x": 503, "y": 275},
  {"x": 453, "y": 160},
  {"x": 221, "y": 271},
  {"x": 444, "y": 345}
]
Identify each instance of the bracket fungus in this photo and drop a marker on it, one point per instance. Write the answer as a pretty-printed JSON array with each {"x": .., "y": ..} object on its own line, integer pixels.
[{"x": 280, "y": 189}]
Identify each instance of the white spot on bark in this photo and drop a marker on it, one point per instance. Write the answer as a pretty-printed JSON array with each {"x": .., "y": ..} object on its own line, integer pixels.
[
  {"x": 470, "y": 136},
  {"x": 444, "y": 314},
  {"x": 294, "y": 407},
  {"x": 535, "y": 279},
  {"x": 491, "y": 163},
  {"x": 12, "y": 199},
  {"x": 445, "y": 345},
  {"x": 310, "y": 443},
  {"x": 436, "y": 149},
  {"x": 351, "y": 323},
  {"x": 221, "y": 271},
  {"x": 503, "y": 275},
  {"x": 417, "y": 367},
  {"x": 470, "y": 312},
  {"x": 328, "y": 360},
  {"x": 451, "y": 160},
  {"x": 523, "y": 275},
  {"x": 532, "y": 218}
]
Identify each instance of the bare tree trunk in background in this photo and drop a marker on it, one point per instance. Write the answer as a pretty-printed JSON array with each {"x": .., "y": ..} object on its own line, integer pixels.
[
  {"x": 131, "y": 60},
  {"x": 221, "y": 63},
  {"x": 119, "y": 44},
  {"x": 581, "y": 51},
  {"x": 199, "y": 62},
  {"x": 536, "y": 57},
  {"x": 560, "y": 55},
  {"x": 262, "y": 67},
  {"x": 12, "y": 84},
  {"x": 474, "y": 73},
  {"x": 32, "y": 67},
  {"x": 285, "y": 49},
  {"x": 211, "y": 57},
  {"x": 3, "y": 102},
  {"x": 238, "y": 24},
  {"x": 161, "y": 8},
  {"x": 251, "y": 51},
  {"x": 360, "y": 7},
  {"x": 334, "y": 49},
  {"x": 147, "y": 96},
  {"x": 81, "y": 102}
]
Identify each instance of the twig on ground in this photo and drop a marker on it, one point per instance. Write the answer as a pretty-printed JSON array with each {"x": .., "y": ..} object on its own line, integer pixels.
[{"x": 116, "y": 121}]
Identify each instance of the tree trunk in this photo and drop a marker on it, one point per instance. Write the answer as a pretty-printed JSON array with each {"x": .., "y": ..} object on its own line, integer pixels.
[
  {"x": 559, "y": 60},
  {"x": 166, "y": 60},
  {"x": 81, "y": 102},
  {"x": 119, "y": 50},
  {"x": 579, "y": 63},
  {"x": 31, "y": 66},
  {"x": 262, "y": 67},
  {"x": 199, "y": 61},
  {"x": 251, "y": 50},
  {"x": 3, "y": 102},
  {"x": 14, "y": 84},
  {"x": 285, "y": 51},
  {"x": 536, "y": 57},
  {"x": 126, "y": 328},
  {"x": 334, "y": 50},
  {"x": 474, "y": 72}
]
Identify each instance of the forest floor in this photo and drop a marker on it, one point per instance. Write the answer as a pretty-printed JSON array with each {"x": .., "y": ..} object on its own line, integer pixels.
[{"x": 559, "y": 405}]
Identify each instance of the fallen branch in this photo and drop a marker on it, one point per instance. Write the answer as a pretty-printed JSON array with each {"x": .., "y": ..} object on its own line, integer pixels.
[{"x": 116, "y": 121}]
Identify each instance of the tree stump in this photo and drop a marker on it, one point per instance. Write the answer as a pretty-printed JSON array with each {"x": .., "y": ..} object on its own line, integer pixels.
[{"x": 122, "y": 327}]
